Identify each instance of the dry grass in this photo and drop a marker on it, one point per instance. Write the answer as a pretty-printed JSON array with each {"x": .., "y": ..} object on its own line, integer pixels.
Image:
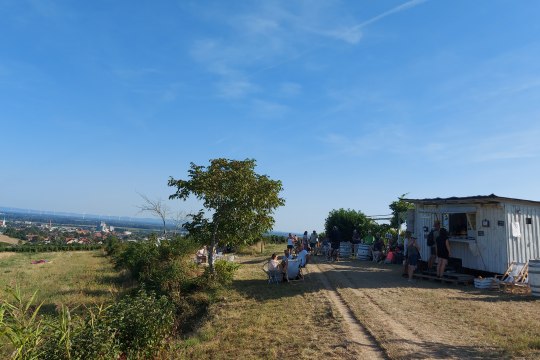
[
  {"x": 76, "y": 279},
  {"x": 256, "y": 320},
  {"x": 8, "y": 240},
  {"x": 449, "y": 320},
  {"x": 70, "y": 278},
  {"x": 422, "y": 320}
]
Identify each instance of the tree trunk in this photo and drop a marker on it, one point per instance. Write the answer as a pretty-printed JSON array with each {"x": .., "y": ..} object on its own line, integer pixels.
[
  {"x": 164, "y": 228},
  {"x": 211, "y": 249}
]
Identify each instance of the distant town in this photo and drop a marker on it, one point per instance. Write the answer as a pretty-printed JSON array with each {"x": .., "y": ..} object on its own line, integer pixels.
[{"x": 33, "y": 227}]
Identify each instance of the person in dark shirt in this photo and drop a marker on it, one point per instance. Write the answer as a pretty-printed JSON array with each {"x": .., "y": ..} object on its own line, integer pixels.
[
  {"x": 432, "y": 243},
  {"x": 377, "y": 249},
  {"x": 443, "y": 251},
  {"x": 335, "y": 239}
]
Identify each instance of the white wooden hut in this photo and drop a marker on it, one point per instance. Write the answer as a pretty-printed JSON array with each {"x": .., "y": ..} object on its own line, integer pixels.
[{"x": 486, "y": 232}]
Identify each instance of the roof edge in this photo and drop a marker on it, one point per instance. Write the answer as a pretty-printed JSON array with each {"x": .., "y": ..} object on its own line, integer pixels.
[{"x": 478, "y": 199}]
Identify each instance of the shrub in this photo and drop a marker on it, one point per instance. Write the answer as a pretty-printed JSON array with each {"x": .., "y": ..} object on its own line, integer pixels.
[
  {"x": 142, "y": 322},
  {"x": 223, "y": 274},
  {"x": 135, "y": 327}
]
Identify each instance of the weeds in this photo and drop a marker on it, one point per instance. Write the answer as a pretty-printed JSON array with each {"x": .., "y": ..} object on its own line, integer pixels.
[{"x": 21, "y": 326}]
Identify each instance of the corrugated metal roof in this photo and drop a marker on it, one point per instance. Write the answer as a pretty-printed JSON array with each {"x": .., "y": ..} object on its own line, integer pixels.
[{"x": 478, "y": 199}]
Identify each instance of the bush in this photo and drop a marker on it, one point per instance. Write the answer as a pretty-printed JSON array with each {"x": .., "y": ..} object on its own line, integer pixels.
[
  {"x": 223, "y": 274},
  {"x": 142, "y": 323},
  {"x": 166, "y": 268},
  {"x": 135, "y": 327}
]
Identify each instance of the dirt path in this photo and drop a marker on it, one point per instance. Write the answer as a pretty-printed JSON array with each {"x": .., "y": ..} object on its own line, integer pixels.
[
  {"x": 369, "y": 320},
  {"x": 360, "y": 338}
]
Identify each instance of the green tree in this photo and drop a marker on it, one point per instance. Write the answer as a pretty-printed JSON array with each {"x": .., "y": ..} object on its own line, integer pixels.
[
  {"x": 347, "y": 221},
  {"x": 399, "y": 211},
  {"x": 238, "y": 202}
]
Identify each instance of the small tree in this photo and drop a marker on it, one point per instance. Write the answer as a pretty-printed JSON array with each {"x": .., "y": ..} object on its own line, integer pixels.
[
  {"x": 156, "y": 207},
  {"x": 347, "y": 221},
  {"x": 240, "y": 203},
  {"x": 399, "y": 210}
]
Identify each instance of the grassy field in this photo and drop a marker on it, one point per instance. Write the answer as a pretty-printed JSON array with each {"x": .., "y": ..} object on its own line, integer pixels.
[
  {"x": 255, "y": 320},
  {"x": 78, "y": 278},
  {"x": 303, "y": 320},
  {"x": 420, "y": 320}
]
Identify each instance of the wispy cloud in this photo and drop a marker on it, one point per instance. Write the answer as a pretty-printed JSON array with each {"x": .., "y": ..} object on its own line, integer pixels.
[
  {"x": 490, "y": 148},
  {"x": 406, "y": 6},
  {"x": 290, "y": 89},
  {"x": 353, "y": 34},
  {"x": 508, "y": 146},
  {"x": 273, "y": 35},
  {"x": 437, "y": 148},
  {"x": 390, "y": 138},
  {"x": 268, "y": 109},
  {"x": 235, "y": 88}
]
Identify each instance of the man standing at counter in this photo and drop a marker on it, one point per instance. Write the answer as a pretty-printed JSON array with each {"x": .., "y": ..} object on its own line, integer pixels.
[
  {"x": 439, "y": 246},
  {"x": 432, "y": 243}
]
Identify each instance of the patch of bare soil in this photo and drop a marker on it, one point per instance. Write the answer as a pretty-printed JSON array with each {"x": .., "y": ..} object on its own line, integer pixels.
[
  {"x": 391, "y": 310},
  {"x": 365, "y": 345}
]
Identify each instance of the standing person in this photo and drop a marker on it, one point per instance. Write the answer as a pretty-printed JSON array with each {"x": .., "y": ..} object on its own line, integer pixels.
[
  {"x": 313, "y": 240},
  {"x": 443, "y": 251},
  {"x": 413, "y": 254},
  {"x": 290, "y": 243},
  {"x": 405, "y": 253},
  {"x": 335, "y": 239},
  {"x": 305, "y": 241},
  {"x": 355, "y": 241},
  {"x": 432, "y": 242},
  {"x": 368, "y": 239}
]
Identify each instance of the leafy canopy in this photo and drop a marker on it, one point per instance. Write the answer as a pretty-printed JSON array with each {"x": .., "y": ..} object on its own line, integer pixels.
[
  {"x": 347, "y": 221},
  {"x": 238, "y": 202},
  {"x": 399, "y": 210}
]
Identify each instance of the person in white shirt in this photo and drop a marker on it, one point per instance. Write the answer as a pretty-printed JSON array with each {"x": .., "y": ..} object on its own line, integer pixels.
[
  {"x": 274, "y": 263},
  {"x": 290, "y": 243},
  {"x": 303, "y": 257}
]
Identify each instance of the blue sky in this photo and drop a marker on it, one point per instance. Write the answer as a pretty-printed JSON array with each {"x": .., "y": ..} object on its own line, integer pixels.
[{"x": 349, "y": 103}]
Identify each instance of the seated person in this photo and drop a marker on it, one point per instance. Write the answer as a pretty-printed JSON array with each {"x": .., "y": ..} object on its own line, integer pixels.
[
  {"x": 390, "y": 257},
  {"x": 376, "y": 250},
  {"x": 275, "y": 268},
  {"x": 284, "y": 263},
  {"x": 325, "y": 247},
  {"x": 286, "y": 255},
  {"x": 274, "y": 264},
  {"x": 398, "y": 255},
  {"x": 303, "y": 256},
  {"x": 201, "y": 255}
]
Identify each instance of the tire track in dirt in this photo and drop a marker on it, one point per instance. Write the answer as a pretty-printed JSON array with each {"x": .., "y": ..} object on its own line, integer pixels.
[
  {"x": 394, "y": 331},
  {"x": 359, "y": 336}
]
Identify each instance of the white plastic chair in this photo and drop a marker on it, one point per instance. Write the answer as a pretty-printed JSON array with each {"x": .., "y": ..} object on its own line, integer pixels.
[{"x": 274, "y": 276}]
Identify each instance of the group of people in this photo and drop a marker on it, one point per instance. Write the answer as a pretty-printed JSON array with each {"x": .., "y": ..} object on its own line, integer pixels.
[
  {"x": 308, "y": 242},
  {"x": 439, "y": 246},
  {"x": 301, "y": 248},
  {"x": 297, "y": 249}
]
